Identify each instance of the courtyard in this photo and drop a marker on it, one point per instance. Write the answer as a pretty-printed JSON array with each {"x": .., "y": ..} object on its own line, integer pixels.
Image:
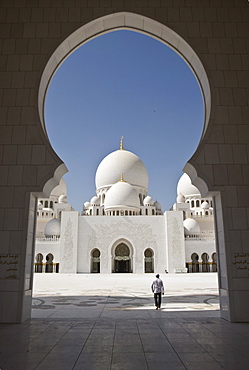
[
  {"x": 123, "y": 296},
  {"x": 109, "y": 322}
]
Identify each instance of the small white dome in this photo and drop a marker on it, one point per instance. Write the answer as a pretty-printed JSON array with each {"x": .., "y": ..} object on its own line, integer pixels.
[
  {"x": 180, "y": 198},
  {"x": 186, "y": 188},
  {"x": 148, "y": 201},
  {"x": 158, "y": 206},
  {"x": 95, "y": 200},
  {"x": 62, "y": 199},
  {"x": 205, "y": 205},
  {"x": 191, "y": 227},
  {"x": 122, "y": 195},
  {"x": 53, "y": 228},
  {"x": 86, "y": 205}
]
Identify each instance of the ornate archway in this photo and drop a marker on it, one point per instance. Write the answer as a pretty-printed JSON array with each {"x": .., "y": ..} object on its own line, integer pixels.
[{"x": 122, "y": 259}]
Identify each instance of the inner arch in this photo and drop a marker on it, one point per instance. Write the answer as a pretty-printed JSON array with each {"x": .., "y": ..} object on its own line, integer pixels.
[{"x": 128, "y": 21}]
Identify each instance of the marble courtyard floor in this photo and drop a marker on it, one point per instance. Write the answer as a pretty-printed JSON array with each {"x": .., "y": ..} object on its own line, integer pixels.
[{"x": 110, "y": 322}]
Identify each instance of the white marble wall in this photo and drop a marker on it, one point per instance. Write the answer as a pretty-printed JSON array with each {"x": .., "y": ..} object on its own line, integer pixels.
[
  {"x": 47, "y": 246},
  {"x": 104, "y": 233},
  {"x": 175, "y": 241},
  {"x": 69, "y": 242},
  {"x": 199, "y": 246}
]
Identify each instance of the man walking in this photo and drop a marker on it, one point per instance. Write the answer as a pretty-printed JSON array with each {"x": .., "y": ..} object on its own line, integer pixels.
[{"x": 158, "y": 289}]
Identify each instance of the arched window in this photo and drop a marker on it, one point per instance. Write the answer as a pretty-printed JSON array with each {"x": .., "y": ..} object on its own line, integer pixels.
[
  {"x": 214, "y": 262},
  {"x": 97, "y": 212},
  {"x": 206, "y": 213},
  {"x": 195, "y": 262},
  {"x": 38, "y": 263},
  {"x": 192, "y": 203},
  {"x": 51, "y": 204},
  {"x": 126, "y": 213},
  {"x": 205, "y": 264},
  {"x": 153, "y": 212},
  {"x": 95, "y": 255},
  {"x": 148, "y": 261},
  {"x": 46, "y": 204},
  {"x": 197, "y": 203},
  {"x": 49, "y": 262},
  {"x": 146, "y": 211}
]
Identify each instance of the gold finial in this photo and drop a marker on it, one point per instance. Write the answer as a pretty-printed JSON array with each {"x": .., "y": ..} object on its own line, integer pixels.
[
  {"x": 121, "y": 178},
  {"x": 121, "y": 147}
]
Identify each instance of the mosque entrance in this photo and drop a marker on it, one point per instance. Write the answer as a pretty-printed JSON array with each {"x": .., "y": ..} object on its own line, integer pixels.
[{"x": 122, "y": 259}]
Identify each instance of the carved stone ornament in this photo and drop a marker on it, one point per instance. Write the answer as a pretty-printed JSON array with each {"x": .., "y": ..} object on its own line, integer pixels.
[
  {"x": 139, "y": 234},
  {"x": 68, "y": 245}
]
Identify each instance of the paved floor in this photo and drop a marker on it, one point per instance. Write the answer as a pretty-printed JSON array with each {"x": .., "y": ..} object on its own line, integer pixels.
[{"x": 109, "y": 322}]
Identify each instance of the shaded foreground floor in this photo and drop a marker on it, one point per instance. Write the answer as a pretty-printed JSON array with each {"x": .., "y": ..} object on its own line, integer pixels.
[{"x": 110, "y": 322}]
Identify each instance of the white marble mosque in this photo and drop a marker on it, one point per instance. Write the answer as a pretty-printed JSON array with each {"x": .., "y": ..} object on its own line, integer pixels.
[{"x": 122, "y": 229}]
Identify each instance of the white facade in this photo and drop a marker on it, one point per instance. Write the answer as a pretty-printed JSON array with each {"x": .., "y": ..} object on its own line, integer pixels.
[{"x": 122, "y": 229}]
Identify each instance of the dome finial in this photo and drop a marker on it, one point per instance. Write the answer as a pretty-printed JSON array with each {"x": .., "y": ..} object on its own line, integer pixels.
[
  {"x": 121, "y": 178},
  {"x": 121, "y": 147}
]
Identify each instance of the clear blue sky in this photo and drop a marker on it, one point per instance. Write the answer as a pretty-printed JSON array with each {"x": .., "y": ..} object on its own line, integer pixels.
[{"x": 124, "y": 84}]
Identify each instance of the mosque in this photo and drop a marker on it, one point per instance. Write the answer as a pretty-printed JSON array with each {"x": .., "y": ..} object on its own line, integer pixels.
[{"x": 122, "y": 229}]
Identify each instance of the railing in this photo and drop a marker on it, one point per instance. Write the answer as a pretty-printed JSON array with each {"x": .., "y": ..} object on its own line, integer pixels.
[
  {"x": 46, "y": 239},
  {"x": 199, "y": 237},
  {"x": 46, "y": 267}
]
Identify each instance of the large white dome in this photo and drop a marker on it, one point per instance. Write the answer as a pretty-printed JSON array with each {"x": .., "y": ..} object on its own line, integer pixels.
[
  {"x": 185, "y": 188},
  {"x": 121, "y": 162},
  {"x": 122, "y": 195}
]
